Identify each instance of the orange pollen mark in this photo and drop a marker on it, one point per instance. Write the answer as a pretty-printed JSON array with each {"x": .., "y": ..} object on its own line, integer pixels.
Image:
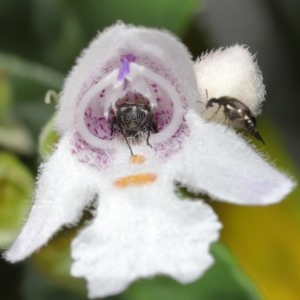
[
  {"x": 137, "y": 159},
  {"x": 138, "y": 179}
]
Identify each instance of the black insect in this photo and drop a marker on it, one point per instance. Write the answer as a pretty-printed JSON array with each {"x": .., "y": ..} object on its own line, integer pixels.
[
  {"x": 237, "y": 113},
  {"x": 132, "y": 119}
]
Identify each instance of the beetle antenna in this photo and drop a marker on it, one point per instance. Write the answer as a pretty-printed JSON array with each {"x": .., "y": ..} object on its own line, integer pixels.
[
  {"x": 127, "y": 142},
  {"x": 203, "y": 103}
]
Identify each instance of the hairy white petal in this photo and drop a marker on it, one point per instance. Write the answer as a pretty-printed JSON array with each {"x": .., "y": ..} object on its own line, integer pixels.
[
  {"x": 217, "y": 161},
  {"x": 64, "y": 187},
  {"x": 232, "y": 72},
  {"x": 141, "y": 232},
  {"x": 115, "y": 41}
]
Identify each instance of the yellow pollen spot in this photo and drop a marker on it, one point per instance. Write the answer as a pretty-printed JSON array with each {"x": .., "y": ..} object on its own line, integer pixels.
[
  {"x": 137, "y": 179},
  {"x": 137, "y": 159}
]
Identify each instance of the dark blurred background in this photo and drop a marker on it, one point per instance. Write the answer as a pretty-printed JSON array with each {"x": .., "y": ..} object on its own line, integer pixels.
[{"x": 39, "y": 42}]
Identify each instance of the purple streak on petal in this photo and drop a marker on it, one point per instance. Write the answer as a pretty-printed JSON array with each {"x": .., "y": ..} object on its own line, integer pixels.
[{"x": 124, "y": 69}]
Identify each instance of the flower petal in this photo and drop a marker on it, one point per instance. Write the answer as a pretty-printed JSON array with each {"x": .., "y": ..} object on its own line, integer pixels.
[
  {"x": 141, "y": 232},
  {"x": 64, "y": 187},
  {"x": 218, "y": 162}
]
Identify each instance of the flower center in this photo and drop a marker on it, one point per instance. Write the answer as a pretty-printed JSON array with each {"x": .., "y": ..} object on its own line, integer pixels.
[{"x": 132, "y": 82}]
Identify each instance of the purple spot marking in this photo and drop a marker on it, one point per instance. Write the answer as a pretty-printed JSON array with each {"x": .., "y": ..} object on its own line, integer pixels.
[{"x": 124, "y": 69}]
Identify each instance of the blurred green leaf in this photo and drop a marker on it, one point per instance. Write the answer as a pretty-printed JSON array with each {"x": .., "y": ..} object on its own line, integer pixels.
[
  {"x": 17, "y": 139},
  {"x": 59, "y": 31},
  {"x": 64, "y": 28},
  {"x": 5, "y": 97},
  {"x": 29, "y": 107},
  {"x": 54, "y": 262},
  {"x": 16, "y": 187},
  {"x": 30, "y": 71},
  {"x": 13, "y": 136},
  {"x": 37, "y": 287},
  {"x": 172, "y": 15},
  {"x": 48, "y": 138}
]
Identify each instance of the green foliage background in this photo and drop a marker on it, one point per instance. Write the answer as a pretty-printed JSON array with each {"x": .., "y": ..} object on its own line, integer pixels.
[{"x": 39, "y": 42}]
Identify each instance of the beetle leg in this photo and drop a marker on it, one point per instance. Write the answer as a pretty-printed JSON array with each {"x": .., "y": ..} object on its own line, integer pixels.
[
  {"x": 113, "y": 122},
  {"x": 127, "y": 142},
  {"x": 148, "y": 136},
  {"x": 153, "y": 127},
  {"x": 213, "y": 115},
  {"x": 228, "y": 123}
]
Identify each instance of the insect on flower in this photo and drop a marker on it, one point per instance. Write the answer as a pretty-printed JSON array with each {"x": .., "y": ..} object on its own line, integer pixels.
[
  {"x": 236, "y": 113},
  {"x": 132, "y": 120},
  {"x": 227, "y": 75}
]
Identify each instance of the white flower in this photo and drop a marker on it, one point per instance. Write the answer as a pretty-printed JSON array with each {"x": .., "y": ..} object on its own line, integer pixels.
[{"x": 140, "y": 226}]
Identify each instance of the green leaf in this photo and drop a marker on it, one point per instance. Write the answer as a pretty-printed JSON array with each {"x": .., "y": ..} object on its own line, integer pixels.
[
  {"x": 225, "y": 280},
  {"x": 18, "y": 67},
  {"x": 13, "y": 136},
  {"x": 17, "y": 139},
  {"x": 16, "y": 187},
  {"x": 37, "y": 287},
  {"x": 5, "y": 97},
  {"x": 48, "y": 138},
  {"x": 54, "y": 262},
  {"x": 169, "y": 14},
  {"x": 64, "y": 28}
]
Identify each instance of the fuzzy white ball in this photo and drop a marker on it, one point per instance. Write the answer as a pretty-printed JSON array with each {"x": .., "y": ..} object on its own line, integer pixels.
[{"x": 233, "y": 72}]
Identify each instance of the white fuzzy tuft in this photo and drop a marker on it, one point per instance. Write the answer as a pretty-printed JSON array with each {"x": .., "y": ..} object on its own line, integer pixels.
[{"x": 233, "y": 72}]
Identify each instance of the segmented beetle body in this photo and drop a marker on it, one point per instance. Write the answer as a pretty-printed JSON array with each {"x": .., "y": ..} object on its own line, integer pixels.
[{"x": 237, "y": 113}]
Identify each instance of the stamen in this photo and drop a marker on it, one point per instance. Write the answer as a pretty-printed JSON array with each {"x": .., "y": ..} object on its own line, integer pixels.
[
  {"x": 137, "y": 179},
  {"x": 125, "y": 69}
]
